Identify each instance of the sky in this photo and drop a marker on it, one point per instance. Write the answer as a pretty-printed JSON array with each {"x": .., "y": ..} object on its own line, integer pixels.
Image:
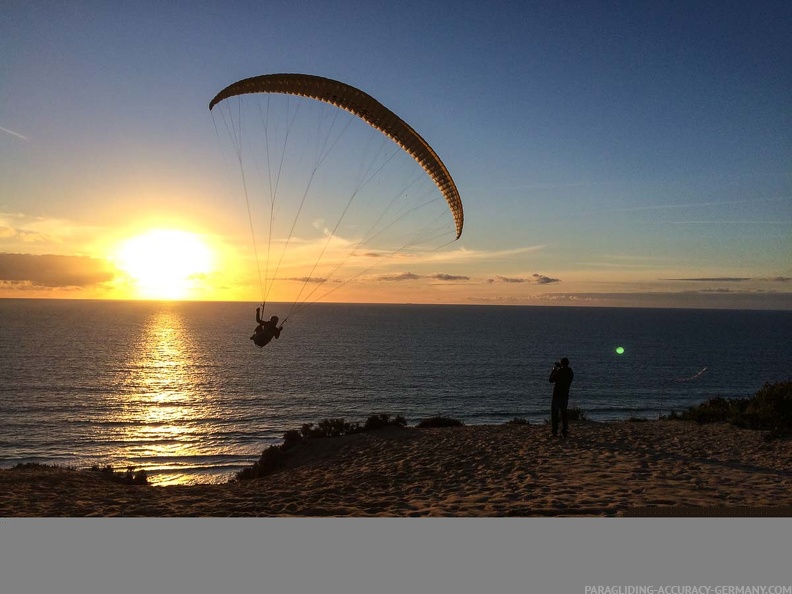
[{"x": 607, "y": 154}]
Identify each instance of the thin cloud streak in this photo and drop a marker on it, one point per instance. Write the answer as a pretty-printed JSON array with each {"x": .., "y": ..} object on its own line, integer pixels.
[
  {"x": 729, "y": 223},
  {"x": 558, "y": 185},
  {"x": 696, "y": 204},
  {"x": 465, "y": 255},
  {"x": 730, "y": 279},
  {"x": 687, "y": 205},
  {"x": 17, "y": 134},
  {"x": 718, "y": 279}
]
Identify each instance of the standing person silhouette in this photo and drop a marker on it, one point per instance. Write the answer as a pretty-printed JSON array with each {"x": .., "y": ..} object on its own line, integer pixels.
[{"x": 561, "y": 377}]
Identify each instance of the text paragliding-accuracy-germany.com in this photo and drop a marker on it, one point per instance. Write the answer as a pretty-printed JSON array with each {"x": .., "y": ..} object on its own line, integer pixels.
[{"x": 688, "y": 590}]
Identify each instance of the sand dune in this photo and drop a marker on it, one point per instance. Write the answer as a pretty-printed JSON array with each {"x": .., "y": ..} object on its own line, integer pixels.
[{"x": 603, "y": 469}]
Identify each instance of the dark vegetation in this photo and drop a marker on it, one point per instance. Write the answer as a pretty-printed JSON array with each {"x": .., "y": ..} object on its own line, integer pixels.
[
  {"x": 440, "y": 422},
  {"x": 130, "y": 477},
  {"x": 275, "y": 456},
  {"x": 23, "y": 465},
  {"x": 575, "y": 413},
  {"x": 518, "y": 421},
  {"x": 770, "y": 409},
  {"x": 339, "y": 427}
]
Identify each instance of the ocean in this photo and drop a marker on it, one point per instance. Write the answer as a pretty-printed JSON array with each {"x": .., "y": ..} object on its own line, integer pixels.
[{"x": 178, "y": 389}]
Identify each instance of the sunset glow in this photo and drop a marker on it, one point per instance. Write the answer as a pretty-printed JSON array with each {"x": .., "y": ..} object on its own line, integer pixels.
[
  {"x": 639, "y": 158},
  {"x": 164, "y": 264}
]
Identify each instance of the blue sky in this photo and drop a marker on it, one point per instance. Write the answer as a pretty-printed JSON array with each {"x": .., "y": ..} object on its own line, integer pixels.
[{"x": 606, "y": 153}]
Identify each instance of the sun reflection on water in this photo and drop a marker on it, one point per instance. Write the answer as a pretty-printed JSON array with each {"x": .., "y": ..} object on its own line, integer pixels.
[{"x": 164, "y": 381}]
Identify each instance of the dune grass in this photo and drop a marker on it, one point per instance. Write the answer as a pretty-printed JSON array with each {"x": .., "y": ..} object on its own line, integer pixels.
[{"x": 770, "y": 409}]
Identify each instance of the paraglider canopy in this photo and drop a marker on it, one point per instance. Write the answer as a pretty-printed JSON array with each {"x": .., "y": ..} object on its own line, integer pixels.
[
  {"x": 366, "y": 108},
  {"x": 335, "y": 184}
]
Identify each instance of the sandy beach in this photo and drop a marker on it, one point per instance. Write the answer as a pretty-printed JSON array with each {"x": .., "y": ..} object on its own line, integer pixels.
[{"x": 603, "y": 469}]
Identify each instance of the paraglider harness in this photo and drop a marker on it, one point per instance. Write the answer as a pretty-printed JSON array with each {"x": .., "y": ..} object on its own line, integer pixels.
[{"x": 266, "y": 329}]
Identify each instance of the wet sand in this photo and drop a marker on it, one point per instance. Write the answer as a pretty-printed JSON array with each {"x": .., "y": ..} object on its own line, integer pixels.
[{"x": 603, "y": 469}]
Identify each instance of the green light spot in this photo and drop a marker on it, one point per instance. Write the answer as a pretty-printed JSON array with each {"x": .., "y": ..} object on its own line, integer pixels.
[{"x": 620, "y": 350}]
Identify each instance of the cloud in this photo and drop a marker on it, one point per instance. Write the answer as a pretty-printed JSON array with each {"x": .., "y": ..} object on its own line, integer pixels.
[
  {"x": 720, "y": 290},
  {"x": 25, "y": 236},
  {"x": 685, "y": 299},
  {"x": 404, "y": 276},
  {"x": 623, "y": 261},
  {"x": 717, "y": 279},
  {"x": 54, "y": 271},
  {"x": 731, "y": 279},
  {"x": 547, "y": 298},
  {"x": 307, "y": 279},
  {"x": 729, "y": 222},
  {"x": 538, "y": 279},
  {"x": 18, "y": 227},
  {"x": 12, "y": 133},
  {"x": 673, "y": 206},
  {"x": 463, "y": 255},
  {"x": 408, "y": 276},
  {"x": 545, "y": 280}
]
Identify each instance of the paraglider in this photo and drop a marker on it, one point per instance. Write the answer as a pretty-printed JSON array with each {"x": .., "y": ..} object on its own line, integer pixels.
[
  {"x": 266, "y": 330},
  {"x": 393, "y": 221}
]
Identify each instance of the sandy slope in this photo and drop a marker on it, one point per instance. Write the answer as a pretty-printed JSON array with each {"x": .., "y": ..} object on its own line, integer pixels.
[{"x": 604, "y": 469}]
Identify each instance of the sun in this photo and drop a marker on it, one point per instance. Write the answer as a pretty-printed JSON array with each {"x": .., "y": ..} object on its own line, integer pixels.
[{"x": 165, "y": 263}]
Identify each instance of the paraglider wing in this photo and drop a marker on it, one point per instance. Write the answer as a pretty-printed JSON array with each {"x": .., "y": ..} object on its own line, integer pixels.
[{"x": 366, "y": 108}]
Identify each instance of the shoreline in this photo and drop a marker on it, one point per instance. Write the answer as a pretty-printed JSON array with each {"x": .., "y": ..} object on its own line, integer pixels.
[{"x": 604, "y": 469}]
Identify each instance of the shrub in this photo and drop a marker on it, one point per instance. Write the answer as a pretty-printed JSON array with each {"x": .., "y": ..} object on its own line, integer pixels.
[
  {"x": 770, "y": 409},
  {"x": 575, "y": 413},
  {"x": 330, "y": 428},
  {"x": 518, "y": 421},
  {"x": 130, "y": 477},
  {"x": 291, "y": 438},
  {"x": 440, "y": 421},
  {"x": 715, "y": 410},
  {"x": 21, "y": 465},
  {"x": 337, "y": 427},
  {"x": 272, "y": 458},
  {"x": 381, "y": 421},
  {"x": 275, "y": 456}
]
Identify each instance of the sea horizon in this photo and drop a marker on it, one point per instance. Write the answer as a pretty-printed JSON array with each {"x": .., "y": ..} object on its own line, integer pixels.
[{"x": 581, "y": 305}]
